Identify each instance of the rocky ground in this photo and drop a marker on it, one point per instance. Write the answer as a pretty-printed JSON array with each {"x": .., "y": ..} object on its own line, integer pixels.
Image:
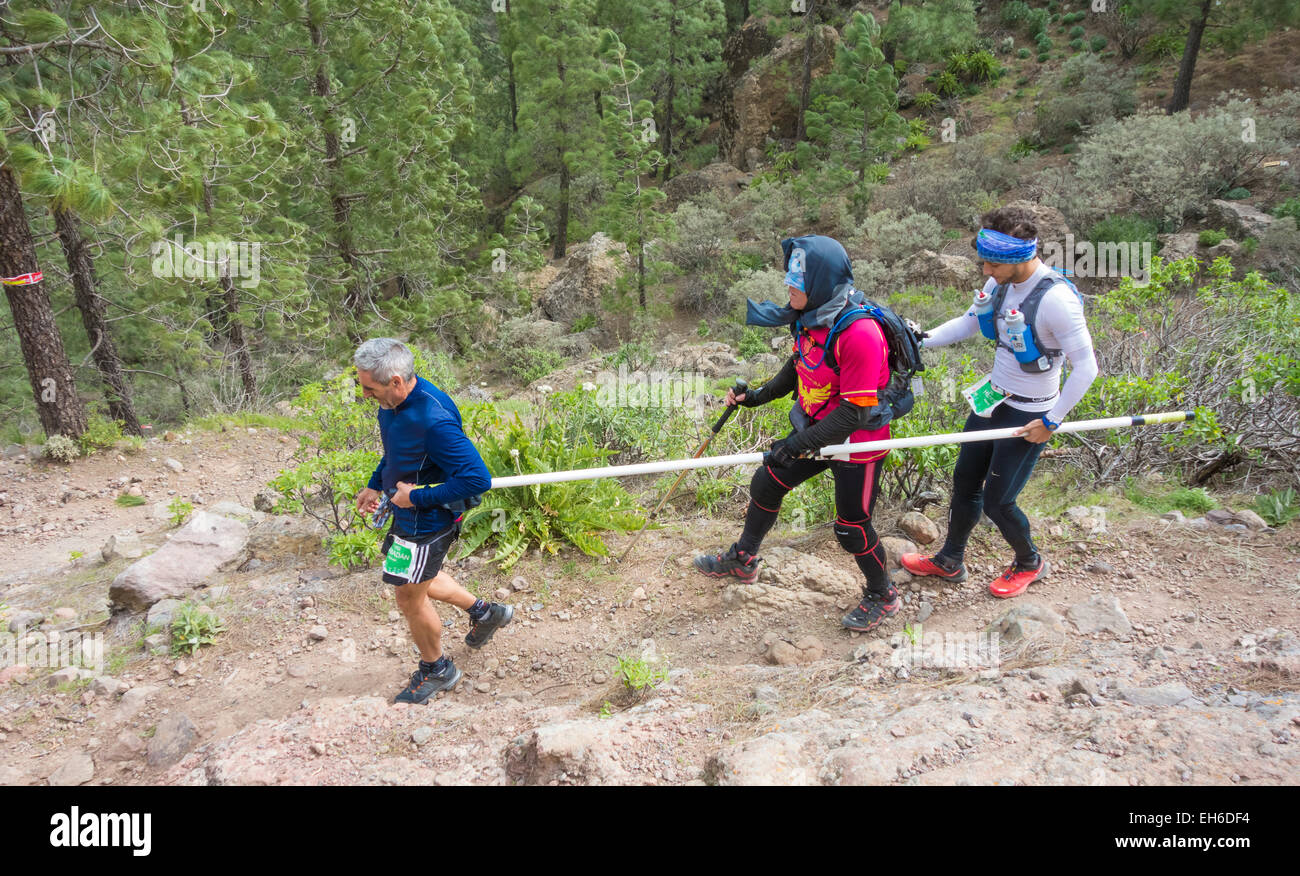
[{"x": 1157, "y": 652}]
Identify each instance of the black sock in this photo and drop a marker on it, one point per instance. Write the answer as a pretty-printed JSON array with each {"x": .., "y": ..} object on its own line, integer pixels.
[
  {"x": 479, "y": 609},
  {"x": 436, "y": 667}
]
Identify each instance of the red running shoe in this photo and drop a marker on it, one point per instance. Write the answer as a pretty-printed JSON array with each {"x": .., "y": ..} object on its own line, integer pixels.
[
  {"x": 923, "y": 566},
  {"x": 1016, "y": 578}
]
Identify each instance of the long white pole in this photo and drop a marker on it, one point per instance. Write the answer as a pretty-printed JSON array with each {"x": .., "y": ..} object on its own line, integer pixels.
[{"x": 642, "y": 468}]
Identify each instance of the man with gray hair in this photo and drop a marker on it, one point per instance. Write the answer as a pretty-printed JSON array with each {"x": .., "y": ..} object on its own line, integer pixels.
[{"x": 432, "y": 475}]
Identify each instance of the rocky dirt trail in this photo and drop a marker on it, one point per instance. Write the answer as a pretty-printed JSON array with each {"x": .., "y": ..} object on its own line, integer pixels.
[{"x": 1157, "y": 652}]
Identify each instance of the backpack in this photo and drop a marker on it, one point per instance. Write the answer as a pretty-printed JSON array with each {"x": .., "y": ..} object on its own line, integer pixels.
[
  {"x": 903, "y": 339},
  {"x": 1033, "y": 359}
]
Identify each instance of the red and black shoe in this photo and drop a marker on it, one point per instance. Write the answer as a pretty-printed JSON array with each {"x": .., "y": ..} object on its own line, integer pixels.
[
  {"x": 932, "y": 567},
  {"x": 874, "y": 609},
  {"x": 734, "y": 562},
  {"x": 1018, "y": 577}
]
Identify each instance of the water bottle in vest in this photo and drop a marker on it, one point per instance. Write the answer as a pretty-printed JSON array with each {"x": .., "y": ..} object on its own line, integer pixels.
[
  {"x": 1021, "y": 339},
  {"x": 1016, "y": 331},
  {"x": 982, "y": 307}
]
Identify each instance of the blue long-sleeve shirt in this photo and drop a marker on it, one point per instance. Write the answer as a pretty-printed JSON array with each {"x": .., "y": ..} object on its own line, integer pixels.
[{"x": 425, "y": 444}]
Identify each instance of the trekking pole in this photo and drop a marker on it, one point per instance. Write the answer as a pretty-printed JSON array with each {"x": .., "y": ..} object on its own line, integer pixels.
[
  {"x": 642, "y": 468},
  {"x": 741, "y": 387}
]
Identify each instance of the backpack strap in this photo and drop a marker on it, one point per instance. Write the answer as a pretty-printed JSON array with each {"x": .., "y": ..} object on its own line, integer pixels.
[{"x": 1030, "y": 306}]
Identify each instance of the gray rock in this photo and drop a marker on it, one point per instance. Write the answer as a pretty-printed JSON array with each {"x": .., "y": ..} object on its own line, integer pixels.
[
  {"x": 1179, "y": 245},
  {"x": 285, "y": 534},
  {"x": 924, "y": 612},
  {"x": 26, "y": 620},
  {"x": 105, "y": 685},
  {"x": 1099, "y": 567},
  {"x": 174, "y": 737},
  {"x": 422, "y": 735},
  {"x": 194, "y": 553},
  {"x": 1238, "y": 218},
  {"x": 318, "y": 633},
  {"x": 942, "y": 270},
  {"x": 1028, "y": 621},
  {"x": 63, "y": 676},
  {"x": 1161, "y": 695},
  {"x": 719, "y": 178},
  {"x": 1100, "y": 614},
  {"x": 918, "y": 527},
  {"x": 76, "y": 770},
  {"x": 591, "y": 270},
  {"x": 134, "y": 700},
  {"x": 265, "y": 501},
  {"x": 123, "y": 544},
  {"x": 162, "y": 612},
  {"x": 1176, "y": 516},
  {"x": 227, "y": 508},
  {"x": 173, "y": 465},
  {"x": 126, "y": 746},
  {"x": 1251, "y": 520},
  {"x": 895, "y": 548},
  {"x": 1226, "y": 247}
]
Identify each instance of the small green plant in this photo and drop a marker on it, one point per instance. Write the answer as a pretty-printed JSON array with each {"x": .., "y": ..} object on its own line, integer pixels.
[
  {"x": 1076, "y": 31},
  {"x": 100, "y": 433},
  {"x": 752, "y": 342},
  {"x": 638, "y": 676},
  {"x": 1289, "y": 207},
  {"x": 913, "y": 633},
  {"x": 1077, "y": 44},
  {"x": 178, "y": 509},
  {"x": 1236, "y": 194},
  {"x": 607, "y": 710},
  {"x": 193, "y": 626},
  {"x": 1249, "y": 245},
  {"x": 1210, "y": 237},
  {"x": 926, "y": 100},
  {"x": 584, "y": 322},
  {"x": 73, "y": 556},
  {"x": 1043, "y": 57},
  {"x": 703, "y": 329},
  {"x": 1279, "y": 507},
  {"x": 1023, "y": 53},
  {"x": 357, "y": 547},
  {"x": 128, "y": 501},
  {"x": 132, "y": 444},
  {"x": 61, "y": 448},
  {"x": 1097, "y": 43}
]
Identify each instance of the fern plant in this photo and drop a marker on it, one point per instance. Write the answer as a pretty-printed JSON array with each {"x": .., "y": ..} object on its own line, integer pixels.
[{"x": 547, "y": 516}]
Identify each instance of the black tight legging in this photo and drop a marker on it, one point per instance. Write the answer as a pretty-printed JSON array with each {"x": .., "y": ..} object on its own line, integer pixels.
[
  {"x": 856, "y": 484},
  {"x": 988, "y": 477}
]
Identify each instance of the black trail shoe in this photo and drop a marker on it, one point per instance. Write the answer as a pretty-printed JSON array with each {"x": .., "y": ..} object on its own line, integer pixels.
[
  {"x": 481, "y": 631},
  {"x": 425, "y": 684},
  {"x": 734, "y": 562},
  {"x": 872, "y": 611}
]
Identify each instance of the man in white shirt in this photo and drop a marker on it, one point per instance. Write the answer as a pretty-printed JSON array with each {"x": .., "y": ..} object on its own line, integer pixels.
[{"x": 1025, "y": 391}]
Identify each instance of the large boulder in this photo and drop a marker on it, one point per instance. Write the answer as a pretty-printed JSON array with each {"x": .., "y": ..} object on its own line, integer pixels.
[
  {"x": 718, "y": 178},
  {"x": 591, "y": 270},
  {"x": 1052, "y": 227},
  {"x": 928, "y": 268},
  {"x": 1238, "y": 219},
  {"x": 789, "y": 580},
  {"x": 758, "y": 106},
  {"x": 286, "y": 534},
  {"x": 1178, "y": 246},
  {"x": 207, "y": 544}
]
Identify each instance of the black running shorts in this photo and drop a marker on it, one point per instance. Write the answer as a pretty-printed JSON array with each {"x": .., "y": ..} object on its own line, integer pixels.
[{"x": 416, "y": 559}]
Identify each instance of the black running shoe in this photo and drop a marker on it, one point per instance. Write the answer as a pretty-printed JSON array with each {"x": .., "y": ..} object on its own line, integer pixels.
[
  {"x": 481, "y": 630},
  {"x": 872, "y": 611},
  {"x": 734, "y": 562},
  {"x": 425, "y": 684}
]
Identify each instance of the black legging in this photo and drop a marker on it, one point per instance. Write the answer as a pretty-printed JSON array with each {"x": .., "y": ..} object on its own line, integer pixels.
[
  {"x": 989, "y": 475},
  {"x": 856, "y": 485}
]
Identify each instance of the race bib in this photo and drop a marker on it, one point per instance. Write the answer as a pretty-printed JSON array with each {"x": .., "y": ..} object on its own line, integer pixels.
[
  {"x": 399, "y": 558},
  {"x": 983, "y": 397}
]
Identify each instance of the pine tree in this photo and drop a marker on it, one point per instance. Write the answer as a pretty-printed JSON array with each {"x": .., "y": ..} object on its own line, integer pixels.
[
  {"x": 557, "y": 65},
  {"x": 629, "y": 210}
]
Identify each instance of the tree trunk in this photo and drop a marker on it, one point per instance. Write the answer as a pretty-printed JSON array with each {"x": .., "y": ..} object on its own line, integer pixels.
[
  {"x": 672, "y": 96},
  {"x": 103, "y": 349},
  {"x": 562, "y": 219},
  {"x": 508, "y": 49},
  {"x": 235, "y": 331},
  {"x": 810, "y": 19},
  {"x": 640, "y": 274},
  {"x": 57, "y": 403},
  {"x": 340, "y": 204},
  {"x": 1183, "y": 85}
]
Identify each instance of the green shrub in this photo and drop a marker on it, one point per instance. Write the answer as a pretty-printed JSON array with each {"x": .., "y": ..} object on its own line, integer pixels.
[
  {"x": 1279, "y": 507},
  {"x": 1165, "y": 46},
  {"x": 529, "y": 363},
  {"x": 356, "y": 548},
  {"x": 1289, "y": 207},
  {"x": 1076, "y": 31},
  {"x": 1077, "y": 45},
  {"x": 1097, "y": 43},
  {"x": 638, "y": 676},
  {"x": 127, "y": 501},
  {"x": 1084, "y": 92},
  {"x": 753, "y": 342},
  {"x": 890, "y": 237},
  {"x": 1236, "y": 194},
  {"x": 194, "y": 626},
  {"x": 1210, "y": 237},
  {"x": 1132, "y": 229},
  {"x": 101, "y": 433},
  {"x": 1023, "y": 53},
  {"x": 1043, "y": 57},
  {"x": 60, "y": 448},
  {"x": 584, "y": 322}
]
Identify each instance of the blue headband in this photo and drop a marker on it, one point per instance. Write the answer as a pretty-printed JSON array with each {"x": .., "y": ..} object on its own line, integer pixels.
[
  {"x": 994, "y": 246},
  {"x": 795, "y": 279}
]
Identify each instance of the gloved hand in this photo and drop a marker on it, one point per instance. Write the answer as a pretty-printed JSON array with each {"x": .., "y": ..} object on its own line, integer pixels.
[
  {"x": 751, "y": 399},
  {"x": 781, "y": 454}
]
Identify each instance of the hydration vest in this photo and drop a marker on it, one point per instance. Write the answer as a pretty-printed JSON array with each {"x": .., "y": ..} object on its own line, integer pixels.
[
  {"x": 896, "y": 399},
  {"x": 1032, "y": 359}
]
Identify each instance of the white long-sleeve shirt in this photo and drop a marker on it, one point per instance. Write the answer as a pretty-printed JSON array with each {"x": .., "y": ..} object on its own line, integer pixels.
[{"x": 1059, "y": 325}]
